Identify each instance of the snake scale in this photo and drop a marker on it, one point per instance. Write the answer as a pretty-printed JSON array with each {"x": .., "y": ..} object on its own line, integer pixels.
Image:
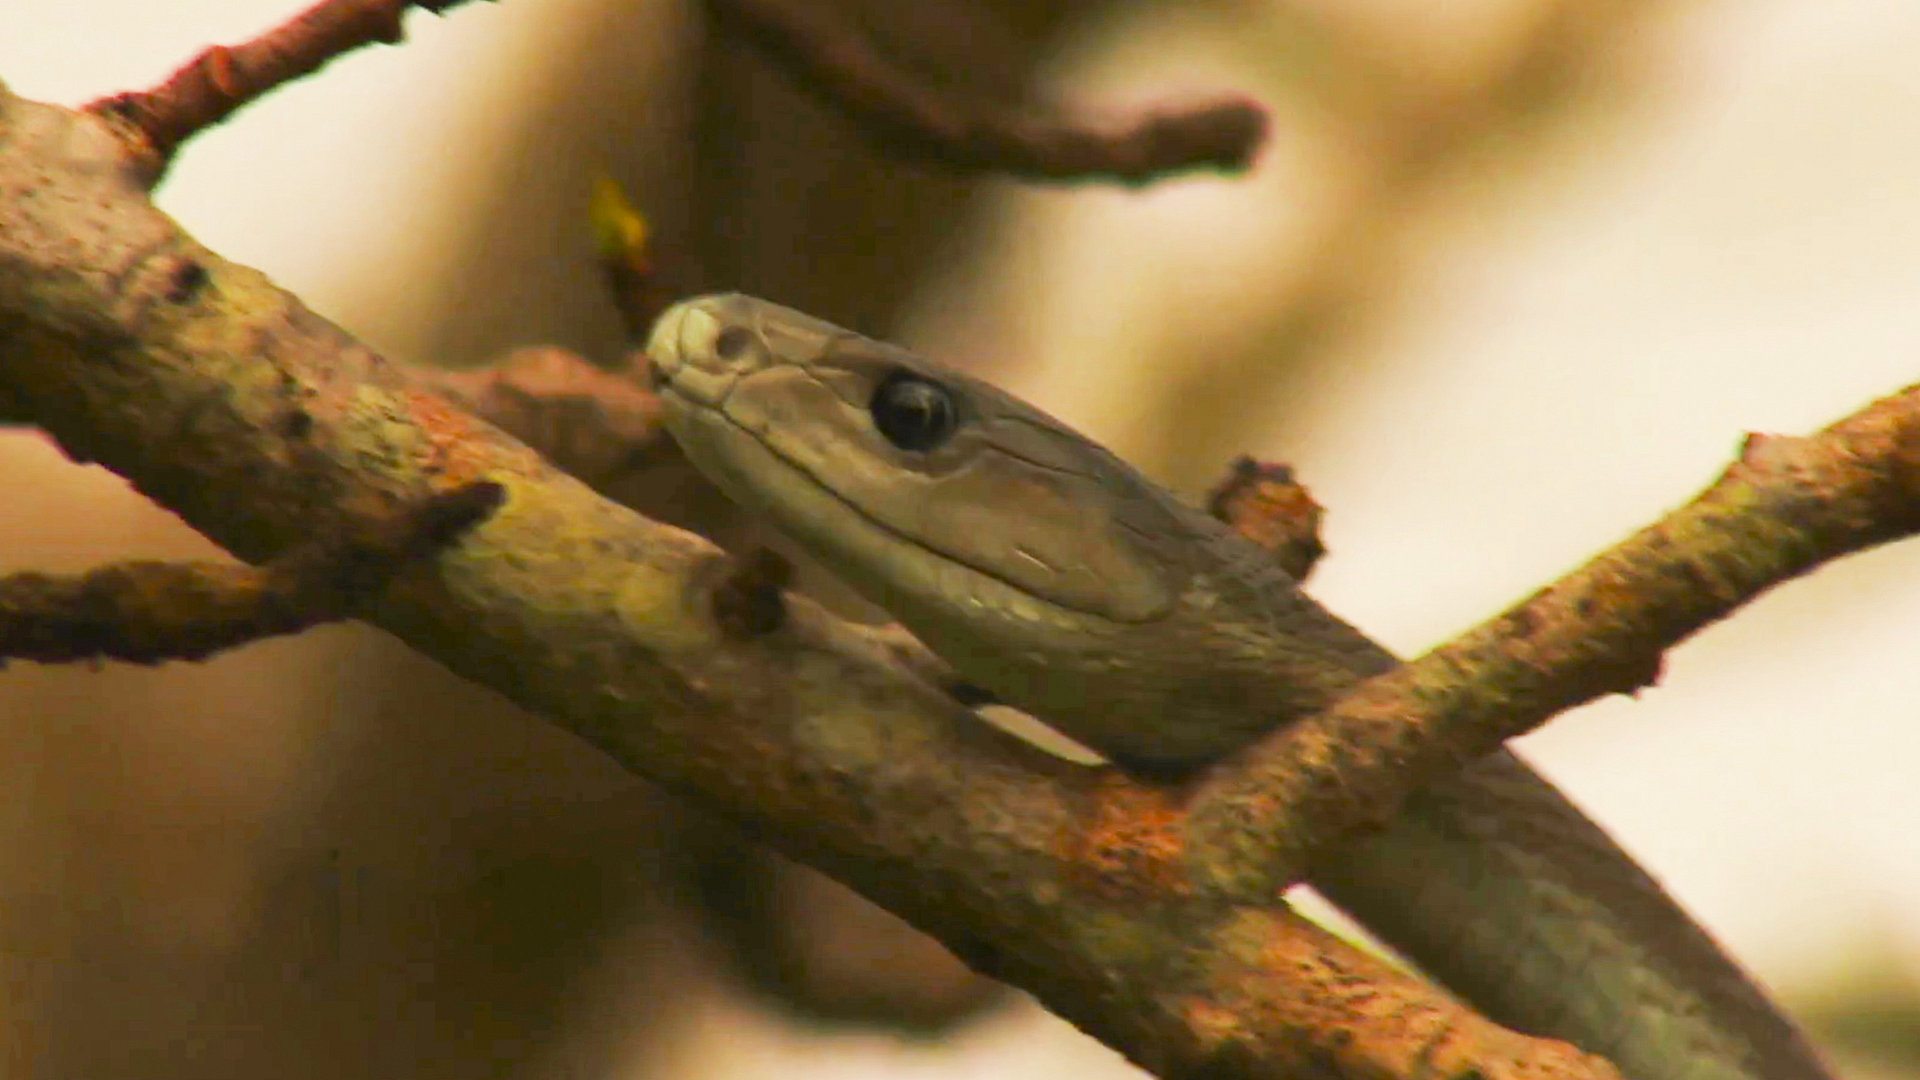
[{"x": 1050, "y": 572}]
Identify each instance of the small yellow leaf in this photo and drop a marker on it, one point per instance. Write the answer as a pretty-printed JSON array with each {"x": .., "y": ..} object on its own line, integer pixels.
[{"x": 619, "y": 229}]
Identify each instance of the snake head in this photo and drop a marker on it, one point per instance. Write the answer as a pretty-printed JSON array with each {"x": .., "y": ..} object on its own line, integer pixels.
[
  {"x": 918, "y": 484},
  {"x": 1038, "y": 564}
]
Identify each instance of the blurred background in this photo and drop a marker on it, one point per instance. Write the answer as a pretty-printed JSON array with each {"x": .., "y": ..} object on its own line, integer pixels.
[{"x": 1511, "y": 278}]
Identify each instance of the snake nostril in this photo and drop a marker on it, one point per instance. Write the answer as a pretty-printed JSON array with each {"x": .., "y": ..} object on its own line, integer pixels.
[
  {"x": 732, "y": 342},
  {"x": 656, "y": 375}
]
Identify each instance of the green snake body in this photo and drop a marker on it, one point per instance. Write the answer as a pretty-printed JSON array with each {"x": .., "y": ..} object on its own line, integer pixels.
[{"x": 1053, "y": 574}]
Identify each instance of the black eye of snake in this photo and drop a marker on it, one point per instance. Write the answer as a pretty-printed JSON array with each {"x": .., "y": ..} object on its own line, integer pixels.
[{"x": 912, "y": 412}]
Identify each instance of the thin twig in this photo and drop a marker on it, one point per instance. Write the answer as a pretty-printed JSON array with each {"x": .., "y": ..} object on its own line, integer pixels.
[
  {"x": 211, "y": 86},
  {"x": 628, "y": 260},
  {"x": 150, "y": 612},
  {"x": 902, "y": 115},
  {"x": 1786, "y": 506},
  {"x": 598, "y": 425},
  {"x": 1265, "y": 503}
]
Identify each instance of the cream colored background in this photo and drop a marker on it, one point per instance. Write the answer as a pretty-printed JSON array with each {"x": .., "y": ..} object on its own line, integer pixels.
[{"x": 1733, "y": 245}]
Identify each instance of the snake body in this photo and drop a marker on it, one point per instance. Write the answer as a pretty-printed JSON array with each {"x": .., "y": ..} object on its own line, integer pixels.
[{"x": 1053, "y": 574}]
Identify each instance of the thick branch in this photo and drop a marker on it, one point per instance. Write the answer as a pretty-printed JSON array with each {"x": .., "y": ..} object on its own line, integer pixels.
[
  {"x": 212, "y": 86},
  {"x": 903, "y": 116},
  {"x": 137, "y": 348}
]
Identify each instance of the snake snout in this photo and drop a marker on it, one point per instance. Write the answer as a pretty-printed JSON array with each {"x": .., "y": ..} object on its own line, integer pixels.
[
  {"x": 669, "y": 344},
  {"x": 715, "y": 334},
  {"x": 698, "y": 350}
]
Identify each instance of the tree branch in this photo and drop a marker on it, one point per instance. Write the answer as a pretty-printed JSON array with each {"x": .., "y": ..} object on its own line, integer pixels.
[
  {"x": 597, "y": 425},
  {"x": 1784, "y": 507},
  {"x": 212, "y": 86},
  {"x": 149, "y": 612},
  {"x": 1258, "y": 826},
  {"x": 903, "y": 116},
  {"x": 827, "y": 59},
  {"x": 261, "y": 424}
]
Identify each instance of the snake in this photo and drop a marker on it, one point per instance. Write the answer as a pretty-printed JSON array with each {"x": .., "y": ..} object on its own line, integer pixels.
[{"x": 1052, "y": 574}]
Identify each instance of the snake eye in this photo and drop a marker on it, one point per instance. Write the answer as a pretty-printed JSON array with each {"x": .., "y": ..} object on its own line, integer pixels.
[{"x": 912, "y": 412}]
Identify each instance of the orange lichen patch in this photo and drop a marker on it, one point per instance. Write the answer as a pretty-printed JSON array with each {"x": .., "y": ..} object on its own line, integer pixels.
[
  {"x": 1280, "y": 991},
  {"x": 459, "y": 450},
  {"x": 1277, "y": 988},
  {"x": 1212, "y": 1022},
  {"x": 1134, "y": 839}
]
